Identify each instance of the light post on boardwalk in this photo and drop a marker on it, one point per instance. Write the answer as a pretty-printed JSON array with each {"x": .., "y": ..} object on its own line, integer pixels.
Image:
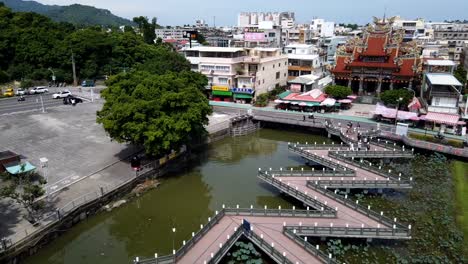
[
  {"x": 44, "y": 165},
  {"x": 173, "y": 243},
  {"x": 398, "y": 106}
]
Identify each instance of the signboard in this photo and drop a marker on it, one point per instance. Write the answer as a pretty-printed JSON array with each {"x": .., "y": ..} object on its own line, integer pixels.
[
  {"x": 295, "y": 88},
  {"x": 402, "y": 129},
  {"x": 243, "y": 90},
  {"x": 252, "y": 36},
  {"x": 220, "y": 88}
]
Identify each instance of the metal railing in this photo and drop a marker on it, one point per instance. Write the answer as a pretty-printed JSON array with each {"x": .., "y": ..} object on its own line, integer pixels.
[
  {"x": 313, "y": 157},
  {"x": 314, "y": 251},
  {"x": 311, "y": 173},
  {"x": 375, "y": 154},
  {"x": 323, "y": 208},
  {"x": 357, "y": 232},
  {"x": 355, "y": 205},
  {"x": 218, "y": 256},
  {"x": 365, "y": 184}
]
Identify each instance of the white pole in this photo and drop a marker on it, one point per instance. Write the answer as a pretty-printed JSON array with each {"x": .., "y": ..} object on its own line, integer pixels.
[
  {"x": 42, "y": 103},
  {"x": 92, "y": 95}
]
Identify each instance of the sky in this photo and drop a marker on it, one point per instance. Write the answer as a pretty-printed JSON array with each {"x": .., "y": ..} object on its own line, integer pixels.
[{"x": 180, "y": 12}]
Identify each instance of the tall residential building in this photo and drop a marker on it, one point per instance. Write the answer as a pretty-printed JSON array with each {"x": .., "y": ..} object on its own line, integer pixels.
[
  {"x": 454, "y": 36},
  {"x": 248, "y": 19},
  {"x": 303, "y": 59},
  {"x": 236, "y": 70},
  {"x": 377, "y": 61},
  {"x": 412, "y": 29},
  {"x": 322, "y": 28}
]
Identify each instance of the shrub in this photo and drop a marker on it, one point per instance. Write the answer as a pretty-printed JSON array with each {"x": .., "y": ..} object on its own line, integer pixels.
[
  {"x": 262, "y": 100},
  {"x": 431, "y": 138},
  {"x": 338, "y": 91},
  {"x": 26, "y": 84}
]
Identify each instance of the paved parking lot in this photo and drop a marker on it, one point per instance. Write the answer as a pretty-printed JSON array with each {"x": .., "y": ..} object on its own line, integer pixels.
[{"x": 67, "y": 136}]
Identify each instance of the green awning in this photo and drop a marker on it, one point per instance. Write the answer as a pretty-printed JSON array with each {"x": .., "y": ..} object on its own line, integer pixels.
[
  {"x": 242, "y": 96},
  {"x": 284, "y": 94},
  {"x": 19, "y": 169},
  {"x": 313, "y": 104},
  {"x": 337, "y": 104},
  {"x": 222, "y": 93}
]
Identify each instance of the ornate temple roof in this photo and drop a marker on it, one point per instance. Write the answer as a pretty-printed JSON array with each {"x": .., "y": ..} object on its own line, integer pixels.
[{"x": 379, "y": 47}]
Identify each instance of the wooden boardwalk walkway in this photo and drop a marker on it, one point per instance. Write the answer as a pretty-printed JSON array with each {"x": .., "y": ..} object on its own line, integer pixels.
[{"x": 280, "y": 233}]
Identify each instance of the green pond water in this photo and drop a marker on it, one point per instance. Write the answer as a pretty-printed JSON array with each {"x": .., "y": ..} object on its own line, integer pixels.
[{"x": 223, "y": 173}]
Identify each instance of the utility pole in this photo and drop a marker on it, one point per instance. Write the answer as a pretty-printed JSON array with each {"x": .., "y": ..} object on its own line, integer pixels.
[{"x": 75, "y": 82}]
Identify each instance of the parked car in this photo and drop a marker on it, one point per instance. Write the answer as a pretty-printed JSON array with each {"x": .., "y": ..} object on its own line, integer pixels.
[
  {"x": 21, "y": 91},
  {"x": 72, "y": 100},
  {"x": 61, "y": 94},
  {"x": 39, "y": 90},
  {"x": 9, "y": 92},
  {"x": 87, "y": 83}
]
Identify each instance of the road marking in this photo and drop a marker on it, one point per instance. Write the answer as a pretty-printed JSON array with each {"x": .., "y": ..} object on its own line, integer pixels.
[{"x": 53, "y": 187}]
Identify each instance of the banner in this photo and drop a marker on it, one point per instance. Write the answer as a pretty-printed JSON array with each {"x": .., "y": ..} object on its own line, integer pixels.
[
  {"x": 250, "y": 36},
  {"x": 295, "y": 88},
  {"x": 220, "y": 88}
]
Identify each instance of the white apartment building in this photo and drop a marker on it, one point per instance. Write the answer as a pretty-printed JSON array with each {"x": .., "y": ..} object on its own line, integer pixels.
[
  {"x": 248, "y": 19},
  {"x": 413, "y": 29},
  {"x": 170, "y": 33},
  {"x": 322, "y": 28},
  {"x": 259, "y": 69},
  {"x": 455, "y": 34},
  {"x": 303, "y": 59}
]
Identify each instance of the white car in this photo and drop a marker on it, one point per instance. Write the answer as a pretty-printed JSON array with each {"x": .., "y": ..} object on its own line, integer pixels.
[
  {"x": 20, "y": 92},
  {"x": 38, "y": 90},
  {"x": 61, "y": 94}
]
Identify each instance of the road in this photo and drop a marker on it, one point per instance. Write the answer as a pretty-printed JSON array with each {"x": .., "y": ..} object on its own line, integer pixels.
[{"x": 32, "y": 103}]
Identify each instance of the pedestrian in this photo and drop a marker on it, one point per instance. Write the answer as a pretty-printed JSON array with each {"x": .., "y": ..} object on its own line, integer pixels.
[
  {"x": 368, "y": 146},
  {"x": 359, "y": 136},
  {"x": 358, "y": 126},
  {"x": 303, "y": 118}
]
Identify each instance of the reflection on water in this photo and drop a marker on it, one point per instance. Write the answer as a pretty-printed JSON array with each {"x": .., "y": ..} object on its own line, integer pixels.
[{"x": 223, "y": 173}]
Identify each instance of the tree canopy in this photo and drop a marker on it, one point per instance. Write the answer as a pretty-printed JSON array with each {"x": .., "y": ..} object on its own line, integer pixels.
[
  {"x": 160, "y": 112},
  {"x": 32, "y": 43},
  {"x": 460, "y": 74},
  {"x": 391, "y": 97},
  {"x": 338, "y": 91}
]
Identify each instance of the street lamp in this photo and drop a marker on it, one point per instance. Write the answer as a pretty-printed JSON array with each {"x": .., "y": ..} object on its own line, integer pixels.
[
  {"x": 53, "y": 74},
  {"x": 398, "y": 106},
  {"x": 44, "y": 165},
  {"x": 173, "y": 238}
]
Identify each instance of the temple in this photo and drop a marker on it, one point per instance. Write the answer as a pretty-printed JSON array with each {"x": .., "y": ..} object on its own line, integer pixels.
[{"x": 378, "y": 61}]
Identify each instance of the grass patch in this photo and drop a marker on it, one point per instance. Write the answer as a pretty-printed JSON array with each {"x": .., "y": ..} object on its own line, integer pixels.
[
  {"x": 460, "y": 175},
  {"x": 431, "y": 138}
]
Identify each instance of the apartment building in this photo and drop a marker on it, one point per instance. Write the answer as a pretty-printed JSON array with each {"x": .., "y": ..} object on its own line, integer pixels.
[
  {"x": 239, "y": 73},
  {"x": 248, "y": 19},
  {"x": 322, "y": 28},
  {"x": 170, "y": 33},
  {"x": 453, "y": 36},
  {"x": 412, "y": 29},
  {"x": 303, "y": 59}
]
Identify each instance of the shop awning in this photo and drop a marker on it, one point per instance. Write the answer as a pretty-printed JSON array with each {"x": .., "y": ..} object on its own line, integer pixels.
[
  {"x": 243, "y": 90},
  {"x": 313, "y": 104},
  {"x": 441, "y": 118},
  {"x": 329, "y": 102},
  {"x": 16, "y": 169},
  {"x": 284, "y": 94},
  {"x": 221, "y": 93},
  {"x": 242, "y": 96}
]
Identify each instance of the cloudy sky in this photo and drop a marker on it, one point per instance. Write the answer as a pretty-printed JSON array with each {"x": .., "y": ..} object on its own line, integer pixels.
[{"x": 178, "y": 12}]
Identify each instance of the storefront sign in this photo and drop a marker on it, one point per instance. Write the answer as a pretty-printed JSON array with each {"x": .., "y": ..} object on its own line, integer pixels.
[
  {"x": 220, "y": 88},
  {"x": 251, "y": 36},
  {"x": 243, "y": 90}
]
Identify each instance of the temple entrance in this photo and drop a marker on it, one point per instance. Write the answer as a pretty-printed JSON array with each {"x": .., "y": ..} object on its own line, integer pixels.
[
  {"x": 370, "y": 85},
  {"x": 342, "y": 82},
  {"x": 355, "y": 85},
  {"x": 385, "y": 85},
  {"x": 400, "y": 85}
]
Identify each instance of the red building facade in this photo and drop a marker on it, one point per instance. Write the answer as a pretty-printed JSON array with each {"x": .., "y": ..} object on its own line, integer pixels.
[{"x": 378, "y": 61}]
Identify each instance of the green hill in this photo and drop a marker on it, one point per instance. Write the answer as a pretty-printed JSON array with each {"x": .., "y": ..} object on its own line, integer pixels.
[{"x": 75, "y": 14}]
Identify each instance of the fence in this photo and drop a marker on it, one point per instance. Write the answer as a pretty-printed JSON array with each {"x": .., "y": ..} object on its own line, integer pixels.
[
  {"x": 310, "y": 173},
  {"x": 310, "y": 156},
  {"x": 323, "y": 208},
  {"x": 365, "y": 184},
  {"x": 357, "y": 232}
]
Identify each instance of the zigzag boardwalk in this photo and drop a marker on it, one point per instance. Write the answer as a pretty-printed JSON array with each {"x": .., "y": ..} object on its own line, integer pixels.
[{"x": 282, "y": 234}]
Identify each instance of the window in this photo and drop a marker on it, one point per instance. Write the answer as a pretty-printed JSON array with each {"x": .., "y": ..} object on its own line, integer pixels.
[
  {"x": 263, "y": 81},
  {"x": 263, "y": 68},
  {"x": 284, "y": 74},
  {"x": 222, "y": 68},
  {"x": 277, "y": 75},
  {"x": 289, "y": 51},
  {"x": 285, "y": 63},
  {"x": 279, "y": 64},
  {"x": 271, "y": 34},
  {"x": 207, "y": 67},
  {"x": 259, "y": 82},
  {"x": 223, "y": 80},
  {"x": 273, "y": 66}
]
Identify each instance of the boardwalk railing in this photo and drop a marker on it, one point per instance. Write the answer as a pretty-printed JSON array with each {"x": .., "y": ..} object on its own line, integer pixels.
[
  {"x": 365, "y": 166},
  {"x": 238, "y": 212},
  {"x": 367, "y": 184},
  {"x": 316, "y": 158},
  {"x": 311, "y": 173},
  {"x": 356, "y": 206},
  {"x": 314, "y": 251},
  {"x": 357, "y": 232},
  {"x": 375, "y": 154},
  {"x": 323, "y": 208},
  {"x": 218, "y": 256}
]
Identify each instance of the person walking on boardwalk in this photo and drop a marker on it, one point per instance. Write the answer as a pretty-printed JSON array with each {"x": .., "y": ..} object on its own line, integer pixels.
[{"x": 303, "y": 118}]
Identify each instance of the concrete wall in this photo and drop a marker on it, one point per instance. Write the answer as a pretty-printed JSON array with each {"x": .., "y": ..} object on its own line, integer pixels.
[{"x": 266, "y": 78}]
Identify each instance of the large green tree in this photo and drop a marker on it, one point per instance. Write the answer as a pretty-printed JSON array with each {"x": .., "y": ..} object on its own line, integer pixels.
[
  {"x": 460, "y": 74},
  {"x": 338, "y": 91},
  {"x": 392, "y": 97},
  {"x": 159, "y": 112}
]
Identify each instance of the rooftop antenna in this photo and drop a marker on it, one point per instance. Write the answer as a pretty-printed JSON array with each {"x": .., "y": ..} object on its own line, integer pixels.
[
  {"x": 384, "y": 13},
  {"x": 214, "y": 21}
]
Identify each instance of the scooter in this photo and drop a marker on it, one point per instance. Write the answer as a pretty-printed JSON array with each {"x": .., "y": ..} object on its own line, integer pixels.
[{"x": 21, "y": 98}]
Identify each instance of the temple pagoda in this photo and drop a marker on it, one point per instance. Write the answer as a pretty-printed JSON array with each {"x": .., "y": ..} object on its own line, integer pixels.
[{"x": 377, "y": 61}]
